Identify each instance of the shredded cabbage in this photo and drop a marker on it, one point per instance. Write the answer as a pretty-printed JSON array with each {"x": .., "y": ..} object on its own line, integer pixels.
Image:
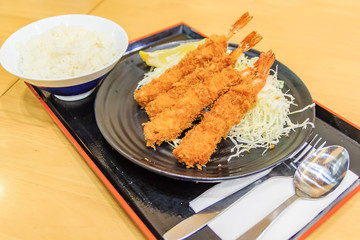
[{"x": 268, "y": 121}]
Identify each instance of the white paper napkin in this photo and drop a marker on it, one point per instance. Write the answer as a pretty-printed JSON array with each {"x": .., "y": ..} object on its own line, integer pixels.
[
  {"x": 221, "y": 190},
  {"x": 262, "y": 200}
]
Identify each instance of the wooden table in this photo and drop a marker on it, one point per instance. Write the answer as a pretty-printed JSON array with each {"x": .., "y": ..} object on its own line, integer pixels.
[{"x": 47, "y": 191}]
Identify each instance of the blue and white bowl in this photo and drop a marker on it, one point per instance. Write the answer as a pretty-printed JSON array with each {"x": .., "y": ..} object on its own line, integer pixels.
[{"x": 68, "y": 88}]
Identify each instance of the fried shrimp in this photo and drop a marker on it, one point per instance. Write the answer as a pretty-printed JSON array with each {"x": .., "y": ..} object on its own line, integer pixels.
[
  {"x": 171, "y": 97},
  {"x": 216, "y": 45},
  {"x": 170, "y": 123},
  {"x": 200, "y": 142}
]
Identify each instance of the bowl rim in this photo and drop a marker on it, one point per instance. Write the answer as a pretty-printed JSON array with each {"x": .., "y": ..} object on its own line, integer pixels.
[{"x": 99, "y": 71}]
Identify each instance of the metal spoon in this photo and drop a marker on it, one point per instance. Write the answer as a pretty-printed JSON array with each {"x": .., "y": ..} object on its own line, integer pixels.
[{"x": 316, "y": 176}]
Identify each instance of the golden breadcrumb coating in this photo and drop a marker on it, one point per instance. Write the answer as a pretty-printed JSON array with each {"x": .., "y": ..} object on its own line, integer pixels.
[
  {"x": 214, "y": 46},
  {"x": 200, "y": 142},
  {"x": 169, "y": 124}
]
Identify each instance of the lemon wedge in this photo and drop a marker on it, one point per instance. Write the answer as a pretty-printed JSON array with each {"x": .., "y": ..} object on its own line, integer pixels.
[{"x": 161, "y": 57}]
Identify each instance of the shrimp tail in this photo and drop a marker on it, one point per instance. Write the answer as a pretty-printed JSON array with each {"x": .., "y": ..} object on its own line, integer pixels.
[
  {"x": 266, "y": 60},
  {"x": 239, "y": 24},
  {"x": 249, "y": 41}
]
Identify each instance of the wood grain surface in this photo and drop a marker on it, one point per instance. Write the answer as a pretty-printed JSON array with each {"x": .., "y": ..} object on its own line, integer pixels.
[{"x": 47, "y": 191}]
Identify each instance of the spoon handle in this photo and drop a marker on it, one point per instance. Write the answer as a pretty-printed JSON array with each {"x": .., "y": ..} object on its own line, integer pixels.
[{"x": 260, "y": 227}]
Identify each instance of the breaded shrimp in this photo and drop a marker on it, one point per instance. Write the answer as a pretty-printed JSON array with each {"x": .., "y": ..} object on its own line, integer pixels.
[
  {"x": 200, "y": 142},
  {"x": 169, "y": 124},
  {"x": 169, "y": 98},
  {"x": 216, "y": 45}
]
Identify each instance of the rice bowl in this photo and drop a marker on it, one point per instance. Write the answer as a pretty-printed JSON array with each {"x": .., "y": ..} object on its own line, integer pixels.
[{"x": 67, "y": 87}]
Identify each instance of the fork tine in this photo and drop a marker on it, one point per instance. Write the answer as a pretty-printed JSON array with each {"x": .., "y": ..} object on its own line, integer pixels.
[
  {"x": 295, "y": 154},
  {"x": 322, "y": 145},
  {"x": 311, "y": 145},
  {"x": 310, "y": 148},
  {"x": 306, "y": 150}
]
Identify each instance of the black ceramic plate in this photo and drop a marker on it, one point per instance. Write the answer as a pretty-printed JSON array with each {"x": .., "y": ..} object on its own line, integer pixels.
[{"x": 120, "y": 119}]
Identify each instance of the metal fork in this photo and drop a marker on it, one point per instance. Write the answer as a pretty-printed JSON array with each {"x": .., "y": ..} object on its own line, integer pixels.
[
  {"x": 285, "y": 169},
  {"x": 200, "y": 219},
  {"x": 289, "y": 166}
]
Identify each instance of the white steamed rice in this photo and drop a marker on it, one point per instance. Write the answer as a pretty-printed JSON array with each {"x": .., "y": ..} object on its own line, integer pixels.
[{"x": 66, "y": 51}]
